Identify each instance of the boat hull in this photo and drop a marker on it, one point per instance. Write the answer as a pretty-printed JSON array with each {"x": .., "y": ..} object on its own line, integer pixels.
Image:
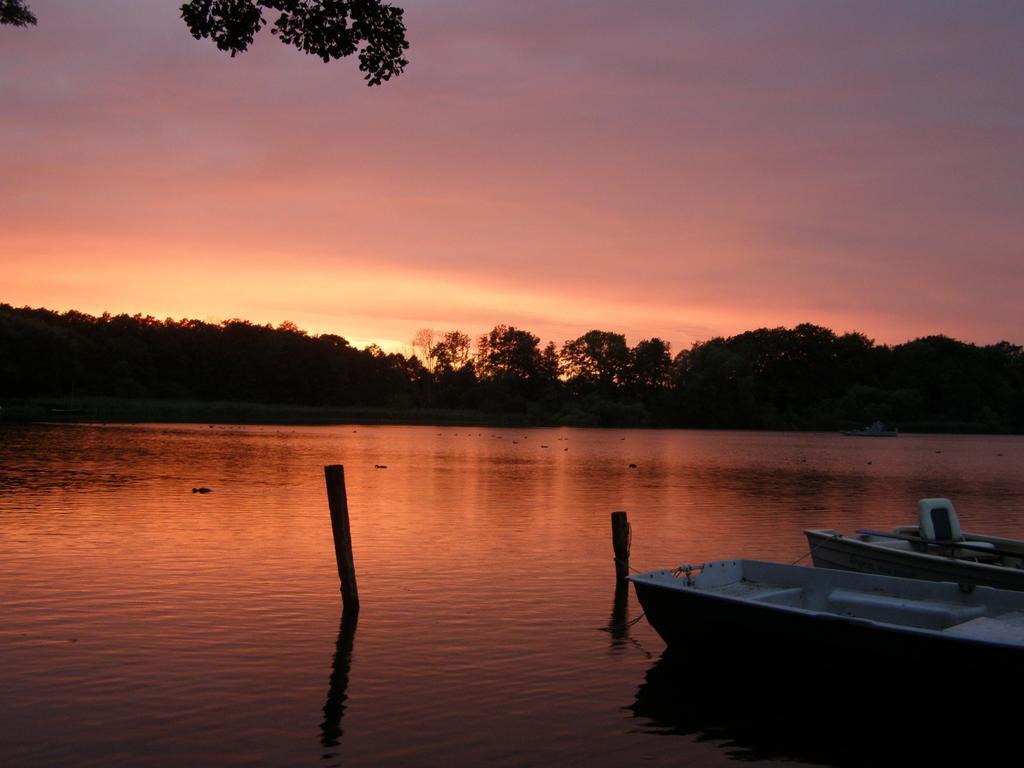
[
  {"x": 765, "y": 639},
  {"x": 847, "y": 554}
]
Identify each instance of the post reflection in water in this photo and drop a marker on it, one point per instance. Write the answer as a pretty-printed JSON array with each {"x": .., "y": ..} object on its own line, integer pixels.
[
  {"x": 617, "y": 625},
  {"x": 331, "y": 728}
]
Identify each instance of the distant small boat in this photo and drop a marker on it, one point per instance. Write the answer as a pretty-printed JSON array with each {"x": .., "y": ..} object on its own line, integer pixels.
[
  {"x": 934, "y": 549},
  {"x": 836, "y": 621},
  {"x": 878, "y": 429},
  {"x": 66, "y": 411}
]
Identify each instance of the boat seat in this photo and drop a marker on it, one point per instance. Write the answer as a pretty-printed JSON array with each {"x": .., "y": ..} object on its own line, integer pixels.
[
  {"x": 890, "y": 543},
  {"x": 900, "y": 610},
  {"x": 938, "y": 520},
  {"x": 938, "y": 524}
]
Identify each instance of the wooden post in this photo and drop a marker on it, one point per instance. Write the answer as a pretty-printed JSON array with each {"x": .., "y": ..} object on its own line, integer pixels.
[
  {"x": 622, "y": 535},
  {"x": 338, "y": 503}
]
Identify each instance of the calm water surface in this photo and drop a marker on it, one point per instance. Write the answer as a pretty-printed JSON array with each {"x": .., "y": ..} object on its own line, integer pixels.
[{"x": 145, "y": 625}]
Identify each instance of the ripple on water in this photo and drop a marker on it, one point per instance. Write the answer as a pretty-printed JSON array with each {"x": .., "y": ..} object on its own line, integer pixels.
[{"x": 145, "y": 625}]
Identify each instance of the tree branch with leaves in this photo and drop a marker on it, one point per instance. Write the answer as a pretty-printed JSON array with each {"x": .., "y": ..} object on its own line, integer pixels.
[
  {"x": 329, "y": 29},
  {"x": 16, "y": 13}
]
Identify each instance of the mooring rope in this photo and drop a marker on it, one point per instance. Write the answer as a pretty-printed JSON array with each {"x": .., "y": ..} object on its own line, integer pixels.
[
  {"x": 812, "y": 550},
  {"x": 631, "y": 622}
]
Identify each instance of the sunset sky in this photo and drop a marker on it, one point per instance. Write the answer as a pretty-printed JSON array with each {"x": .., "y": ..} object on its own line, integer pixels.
[{"x": 673, "y": 169}]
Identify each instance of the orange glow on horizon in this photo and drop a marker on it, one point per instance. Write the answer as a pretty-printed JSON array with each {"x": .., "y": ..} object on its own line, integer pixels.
[{"x": 682, "y": 194}]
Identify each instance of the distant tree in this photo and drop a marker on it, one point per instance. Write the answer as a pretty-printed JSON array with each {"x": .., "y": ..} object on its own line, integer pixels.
[
  {"x": 651, "y": 364},
  {"x": 453, "y": 382},
  {"x": 451, "y": 353},
  {"x": 330, "y": 29},
  {"x": 597, "y": 359},
  {"x": 550, "y": 386},
  {"x": 16, "y": 13},
  {"x": 287, "y": 326},
  {"x": 507, "y": 353},
  {"x": 423, "y": 347},
  {"x": 714, "y": 386},
  {"x": 956, "y": 380},
  {"x": 549, "y": 363}
]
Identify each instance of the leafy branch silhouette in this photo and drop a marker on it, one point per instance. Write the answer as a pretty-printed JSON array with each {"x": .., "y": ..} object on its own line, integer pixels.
[{"x": 329, "y": 29}]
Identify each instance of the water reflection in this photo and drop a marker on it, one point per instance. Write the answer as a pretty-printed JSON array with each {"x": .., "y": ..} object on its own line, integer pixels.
[
  {"x": 620, "y": 624},
  {"x": 617, "y": 624},
  {"x": 771, "y": 712},
  {"x": 331, "y": 728},
  {"x": 180, "y": 600}
]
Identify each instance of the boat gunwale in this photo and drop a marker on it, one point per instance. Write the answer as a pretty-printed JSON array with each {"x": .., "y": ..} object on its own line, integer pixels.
[
  {"x": 672, "y": 583},
  {"x": 828, "y": 534}
]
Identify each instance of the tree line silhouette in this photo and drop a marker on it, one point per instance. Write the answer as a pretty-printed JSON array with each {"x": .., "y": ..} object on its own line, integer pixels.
[{"x": 806, "y": 377}]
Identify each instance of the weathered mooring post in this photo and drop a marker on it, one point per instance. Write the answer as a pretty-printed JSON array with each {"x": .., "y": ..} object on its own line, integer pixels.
[
  {"x": 622, "y": 535},
  {"x": 337, "y": 500}
]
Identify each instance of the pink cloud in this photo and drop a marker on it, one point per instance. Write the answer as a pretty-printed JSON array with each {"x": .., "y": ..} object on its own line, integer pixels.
[{"x": 680, "y": 170}]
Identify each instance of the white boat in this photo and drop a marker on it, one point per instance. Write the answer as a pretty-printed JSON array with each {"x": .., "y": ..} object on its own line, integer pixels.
[
  {"x": 936, "y": 548},
  {"x": 826, "y": 620},
  {"x": 878, "y": 429}
]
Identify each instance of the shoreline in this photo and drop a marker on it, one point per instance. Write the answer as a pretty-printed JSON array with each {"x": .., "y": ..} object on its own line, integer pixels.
[
  {"x": 131, "y": 411},
  {"x": 103, "y": 410}
]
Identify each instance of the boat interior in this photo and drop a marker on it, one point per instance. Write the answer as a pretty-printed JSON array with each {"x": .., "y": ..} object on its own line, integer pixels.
[
  {"x": 938, "y": 532},
  {"x": 926, "y": 614},
  {"x": 970, "y": 621},
  {"x": 982, "y": 613}
]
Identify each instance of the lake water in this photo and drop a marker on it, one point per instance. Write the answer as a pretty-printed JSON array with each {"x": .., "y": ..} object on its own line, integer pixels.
[{"x": 144, "y": 625}]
